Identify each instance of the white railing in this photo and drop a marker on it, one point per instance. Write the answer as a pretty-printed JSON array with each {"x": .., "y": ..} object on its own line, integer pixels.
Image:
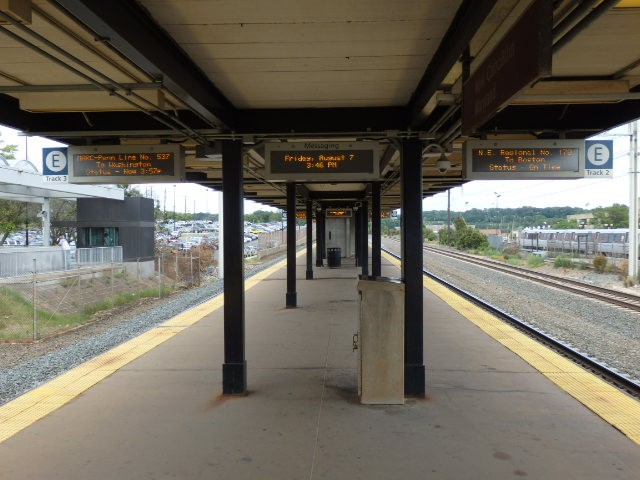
[
  {"x": 16, "y": 261},
  {"x": 85, "y": 256},
  {"x": 22, "y": 260}
]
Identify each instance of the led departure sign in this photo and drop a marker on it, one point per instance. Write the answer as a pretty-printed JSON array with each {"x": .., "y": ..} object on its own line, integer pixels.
[
  {"x": 126, "y": 164},
  {"x": 523, "y": 159},
  {"x": 322, "y": 160},
  {"x": 338, "y": 213}
]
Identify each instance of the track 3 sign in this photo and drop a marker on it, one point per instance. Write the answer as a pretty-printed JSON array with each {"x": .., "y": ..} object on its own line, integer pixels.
[
  {"x": 523, "y": 159},
  {"x": 55, "y": 167}
]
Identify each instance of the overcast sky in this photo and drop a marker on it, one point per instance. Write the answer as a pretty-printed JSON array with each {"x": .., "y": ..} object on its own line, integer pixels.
[{"x": 583, "y": 193}]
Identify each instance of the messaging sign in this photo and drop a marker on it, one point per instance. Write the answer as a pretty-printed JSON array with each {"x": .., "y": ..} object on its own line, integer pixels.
[
  {"x": 126, "y": 164},
  {"x": 520, "y": 159}
]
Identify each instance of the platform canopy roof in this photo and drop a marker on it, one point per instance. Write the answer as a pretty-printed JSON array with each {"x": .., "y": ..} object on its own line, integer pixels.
[
  {"x": 23, "y": 184},
  {"x": 195, "y": 72}
]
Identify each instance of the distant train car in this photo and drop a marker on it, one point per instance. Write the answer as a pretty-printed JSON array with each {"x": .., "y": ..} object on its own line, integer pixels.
[{"x": 590, "y": 242}]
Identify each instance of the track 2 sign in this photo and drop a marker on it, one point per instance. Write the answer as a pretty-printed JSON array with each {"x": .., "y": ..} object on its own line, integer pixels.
[{"x": 598, "y": 159}]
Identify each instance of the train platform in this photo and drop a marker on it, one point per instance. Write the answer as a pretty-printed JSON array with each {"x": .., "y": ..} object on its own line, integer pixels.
[{"x": 152, "y": 407}]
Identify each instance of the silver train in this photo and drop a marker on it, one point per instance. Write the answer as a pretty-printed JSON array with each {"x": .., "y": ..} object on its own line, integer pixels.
[{"x": 613, "y": 242}]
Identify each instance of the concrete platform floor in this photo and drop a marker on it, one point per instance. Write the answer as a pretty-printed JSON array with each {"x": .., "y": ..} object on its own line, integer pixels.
[{"x": 487, "y": 414}]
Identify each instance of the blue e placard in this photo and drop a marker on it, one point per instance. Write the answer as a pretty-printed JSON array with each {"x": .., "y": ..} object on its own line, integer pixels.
[
  {"x": 55, "y": 161},
  {"x": 598, "y": 154}
]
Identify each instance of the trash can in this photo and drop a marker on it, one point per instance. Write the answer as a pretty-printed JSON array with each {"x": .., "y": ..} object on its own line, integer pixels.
[{"x": 334, "y": 257}]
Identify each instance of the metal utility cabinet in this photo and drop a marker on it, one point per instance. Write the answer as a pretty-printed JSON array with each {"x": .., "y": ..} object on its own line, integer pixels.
[{"x": 381, "y": 341}]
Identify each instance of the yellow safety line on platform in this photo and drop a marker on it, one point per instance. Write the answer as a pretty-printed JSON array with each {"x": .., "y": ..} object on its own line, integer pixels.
[
  {"x": 40, "y": 402},
  {"x": 606, "y": 401}
]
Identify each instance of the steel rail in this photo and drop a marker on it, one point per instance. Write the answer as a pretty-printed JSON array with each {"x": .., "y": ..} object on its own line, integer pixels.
[{"x": 605, "y": 372}]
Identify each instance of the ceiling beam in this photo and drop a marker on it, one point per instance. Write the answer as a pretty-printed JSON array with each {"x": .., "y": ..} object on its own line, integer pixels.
[
  {"x": 586, "y": 118},
  {"x": 130, "y": 30},
  {"x": 322, "y": 120},
  {"x": 469, "y": 17},
  {"x": 347, "y": 194}
]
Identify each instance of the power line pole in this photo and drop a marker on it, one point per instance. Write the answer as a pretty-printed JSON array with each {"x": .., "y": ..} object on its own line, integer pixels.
[{"x": 633, "y": 201}]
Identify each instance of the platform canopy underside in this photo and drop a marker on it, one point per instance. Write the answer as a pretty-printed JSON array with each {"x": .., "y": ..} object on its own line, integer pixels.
[{"x": 198, "y": 72}]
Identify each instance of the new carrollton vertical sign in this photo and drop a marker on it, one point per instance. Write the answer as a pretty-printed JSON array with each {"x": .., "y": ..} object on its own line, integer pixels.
[{"x": 522, "y": 57}]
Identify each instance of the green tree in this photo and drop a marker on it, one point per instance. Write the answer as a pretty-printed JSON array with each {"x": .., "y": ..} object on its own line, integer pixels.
[
  {"x": 471, "y": 239},
  {"x": 460, "y": 224},
  {"x": 430, "y": 235},
  {"x": 263, "y": 216},
  {"x": 447, "y": 236},
  {"x": 11, "y": 212},
  {"x": 130, "y": 190},
  {"x": 8, "y": 152},
  {"x": 615, "y": 216},
  {"x": 62, "y": 211},
  {"x": 573, "y": 223}
]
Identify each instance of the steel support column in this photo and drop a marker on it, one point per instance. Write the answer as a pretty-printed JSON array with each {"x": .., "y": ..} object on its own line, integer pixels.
[
  {"x": 376, "y": 245},
  {"x": 364, "y": 238},
  {"x": 357, "y": 225},
  {"x": 411, "y": 236},
  {"x": 319, "y": 238},
  {"x": 234, "y": 369},
  {"x": 291, "y": 300},
  {"x": 309, "y": 274}
]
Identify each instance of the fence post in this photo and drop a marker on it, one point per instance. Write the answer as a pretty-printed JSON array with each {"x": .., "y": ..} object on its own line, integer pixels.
[
  {"x": 191, "y": 265},
  {"x": 175, "y": 277},
  {"x": 113, "y": 297},
  {"x": 159, "y": 273},
  {"x": 35, "y": 309}
]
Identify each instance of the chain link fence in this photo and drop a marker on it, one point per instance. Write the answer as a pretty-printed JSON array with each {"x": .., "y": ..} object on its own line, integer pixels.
[{"x": 39, "y": 305}]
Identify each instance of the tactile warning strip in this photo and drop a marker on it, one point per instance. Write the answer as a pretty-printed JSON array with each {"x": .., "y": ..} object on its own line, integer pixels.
[
  {"x": 614, "y": 406},
  {"x": 40, "y": 402}
]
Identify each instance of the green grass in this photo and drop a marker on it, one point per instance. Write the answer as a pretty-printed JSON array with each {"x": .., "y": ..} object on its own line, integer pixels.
[
  {"x": 534, "y": 261},
  {"x": 16, "y": 317},
  {"x": 516, "y": 261},
  {"x": 563, "y": 261}
]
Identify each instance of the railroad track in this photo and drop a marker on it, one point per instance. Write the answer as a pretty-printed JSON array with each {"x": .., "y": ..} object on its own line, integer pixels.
[
  {"x": 593, "y": 292},
  {"x": 596, "y": 367}
]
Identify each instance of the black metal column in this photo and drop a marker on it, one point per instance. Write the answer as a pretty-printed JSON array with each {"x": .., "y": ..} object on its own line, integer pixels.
[
  {"x": 291, "y": 300},
  {"x": 234, "y": 369},
  {"x": 364, "y": 238},
  {"x": 309, "y": 275},
  {"x": 376, "y": 244},
  {"x": 319, "y": 238},
  {"x": 357, "y": 225},
  {"x": 411, "y": 181}
]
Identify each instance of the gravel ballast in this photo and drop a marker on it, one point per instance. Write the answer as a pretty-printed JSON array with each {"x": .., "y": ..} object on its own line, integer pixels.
[{"x": 607, "y": 334}]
